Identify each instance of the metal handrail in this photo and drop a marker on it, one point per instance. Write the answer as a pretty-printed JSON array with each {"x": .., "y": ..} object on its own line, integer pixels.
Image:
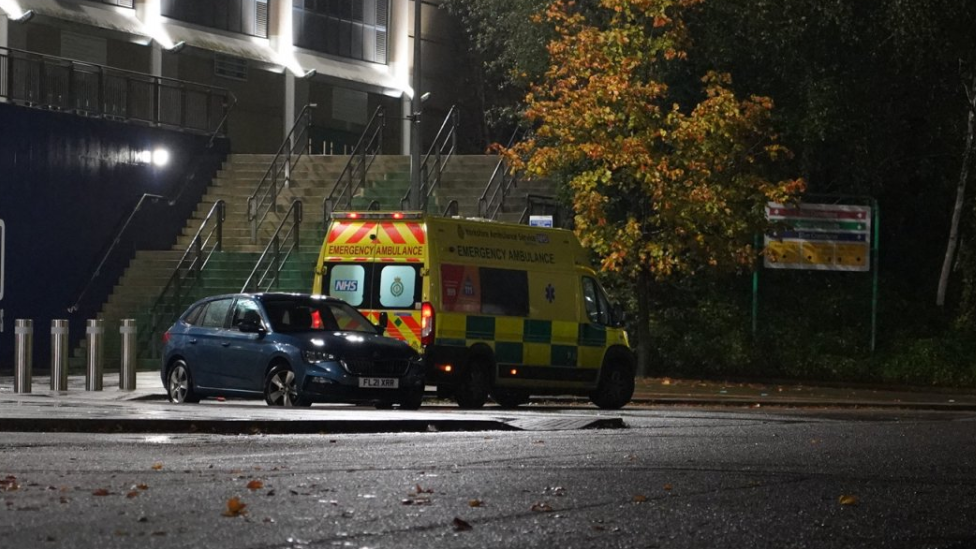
[
  {"x": 453, "y": 209},
  {"x": 276, "y": 258},
  {"x": 370, "y": 145},
  {"x": 490, "y": 206},
  {"x": 115, "y": 242},
  {"x": 68, "y": 85},
  {"x": 207, "y": 240},
  {"x": 264, "y": 198},
  {"x": 440, "y": 152}
]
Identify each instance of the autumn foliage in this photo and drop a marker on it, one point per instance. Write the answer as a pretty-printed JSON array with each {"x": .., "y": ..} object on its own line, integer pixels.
[{"x": 659, "y": 187}]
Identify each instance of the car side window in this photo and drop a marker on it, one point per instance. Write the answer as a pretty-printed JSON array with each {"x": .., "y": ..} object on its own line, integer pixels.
[
  {"x": 245, "y": 310},
  {"x": 216, "y": 314},
  {"x": 193, "y": 317}
]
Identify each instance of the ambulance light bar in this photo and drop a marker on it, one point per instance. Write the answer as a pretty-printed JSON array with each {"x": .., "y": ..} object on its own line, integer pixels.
[{"x": 377, "y": 215}]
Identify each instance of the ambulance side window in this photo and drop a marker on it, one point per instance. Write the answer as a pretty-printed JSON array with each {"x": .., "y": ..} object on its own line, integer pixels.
[
  {"x": 504, "y": 292},
  {"x": 597, "y": 306}
]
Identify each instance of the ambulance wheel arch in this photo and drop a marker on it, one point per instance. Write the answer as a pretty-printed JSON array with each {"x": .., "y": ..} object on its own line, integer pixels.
[
  {"x": 476, "y": 378},
  {"x": 615, "y": 387}
]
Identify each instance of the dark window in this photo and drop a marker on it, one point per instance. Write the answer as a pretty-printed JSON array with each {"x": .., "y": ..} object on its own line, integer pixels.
[
  {"x": 245, "y": 309},
  {"x": 597, "y": 305},
  {"x": 216, "y": 315},
  {"x": 243, "y": 16},
  {"x": 193, "y": 317},
  {"x": 348, "y": 28},
  {"x": 504, "y": 292}
]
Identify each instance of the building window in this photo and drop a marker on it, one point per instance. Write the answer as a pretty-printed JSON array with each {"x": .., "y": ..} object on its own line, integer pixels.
[
  {"x": 243, "y": 16},
  {"x": 355, "y": 29}
]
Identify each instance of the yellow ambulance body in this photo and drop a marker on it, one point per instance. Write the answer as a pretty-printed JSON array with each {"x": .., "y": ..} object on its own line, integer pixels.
[{"x": 497, "y": 309}]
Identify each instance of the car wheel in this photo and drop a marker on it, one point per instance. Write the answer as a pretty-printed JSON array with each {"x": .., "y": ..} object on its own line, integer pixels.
[
  {"x": 616, "y": 385},
  {"x": 179, "y": 384},
  {"x": 510, "y": 399},
  {"x": 473, "y": 389},
  {"x": 281, "y": 389}
]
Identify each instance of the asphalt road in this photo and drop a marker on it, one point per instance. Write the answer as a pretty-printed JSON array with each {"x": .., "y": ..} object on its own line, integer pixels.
[{"x": 674, "y": 477}]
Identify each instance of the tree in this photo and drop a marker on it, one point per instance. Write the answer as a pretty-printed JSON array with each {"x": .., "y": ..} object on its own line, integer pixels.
[{"x": 660, "y": 189}]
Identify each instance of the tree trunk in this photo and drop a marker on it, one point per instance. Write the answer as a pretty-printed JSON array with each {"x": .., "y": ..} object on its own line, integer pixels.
[
  {"x": 960, "y": 197},
  {"x": 644, "y": 367}
]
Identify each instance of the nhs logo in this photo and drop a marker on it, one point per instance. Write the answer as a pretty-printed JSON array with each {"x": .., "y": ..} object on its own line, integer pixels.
[{"x": 346, "y": 286}]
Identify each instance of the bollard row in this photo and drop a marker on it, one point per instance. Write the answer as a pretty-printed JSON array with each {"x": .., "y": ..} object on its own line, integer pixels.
[{"x": 94, "y": 370}]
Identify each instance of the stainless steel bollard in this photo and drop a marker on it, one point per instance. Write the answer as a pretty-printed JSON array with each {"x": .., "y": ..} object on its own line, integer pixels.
[
  {"x": 59, "y": 355},
  {"x": 96, "y": 361},
  {"x": 23, "y": 354},
  {"x": 127, "y": 373}
]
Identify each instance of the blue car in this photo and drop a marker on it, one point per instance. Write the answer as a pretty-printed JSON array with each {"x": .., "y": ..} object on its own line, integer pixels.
[{"x": 291, "y": 350}]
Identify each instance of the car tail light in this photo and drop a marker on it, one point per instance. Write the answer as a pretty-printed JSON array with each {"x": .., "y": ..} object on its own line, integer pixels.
[
  {"x": 426, "y": 324},
  {"x": 166, "y": 336}
]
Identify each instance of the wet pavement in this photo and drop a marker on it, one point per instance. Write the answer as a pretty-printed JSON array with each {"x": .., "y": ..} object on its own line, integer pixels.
[{"x": 146, "y": 409}]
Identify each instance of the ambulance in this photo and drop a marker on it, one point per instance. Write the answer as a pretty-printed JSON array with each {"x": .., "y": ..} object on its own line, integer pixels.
[{"x": 498, "y": 310}]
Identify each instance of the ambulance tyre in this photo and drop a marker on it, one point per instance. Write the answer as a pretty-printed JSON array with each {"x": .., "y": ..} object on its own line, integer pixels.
[
  {"x": 472, "y": 392},
  {"x": 616, "y": 385},
  {"x": 510, "y": 398}
]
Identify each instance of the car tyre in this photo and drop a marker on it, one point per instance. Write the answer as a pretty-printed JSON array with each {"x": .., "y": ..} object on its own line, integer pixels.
[
  {"x": 616, "y": 385},
  {"x": 179, "y": 384},
  {"x": 473, "y": 389},
  {"x": 281, "y": 388}
]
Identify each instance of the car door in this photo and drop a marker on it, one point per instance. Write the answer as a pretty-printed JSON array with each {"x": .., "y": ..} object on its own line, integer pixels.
[
  {"x": 243, "y": 353},
  {"x": 206, "y": 338}
]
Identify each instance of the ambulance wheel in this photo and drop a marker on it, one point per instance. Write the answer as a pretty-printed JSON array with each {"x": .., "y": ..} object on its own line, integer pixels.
[
  {"x": 510, "y": 399},
  {"x": 616, "y": 385},
  {"x": 472, "y": 392}
]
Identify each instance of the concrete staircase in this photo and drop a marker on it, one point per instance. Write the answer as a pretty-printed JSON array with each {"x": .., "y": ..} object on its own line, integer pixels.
[{"x": 139, "y": 287}]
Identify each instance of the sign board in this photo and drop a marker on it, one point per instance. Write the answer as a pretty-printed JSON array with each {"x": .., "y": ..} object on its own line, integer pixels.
[
  {"x": 540, "y": 221},
  {"x": 825, "y": 237}
]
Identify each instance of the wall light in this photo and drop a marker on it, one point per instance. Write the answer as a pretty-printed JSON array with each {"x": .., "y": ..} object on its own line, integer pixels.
[
  {"x": 24, "y": 17},
  {"x": 310, "y": 74},
  {"x": 160, "y": 157},
  {"x": 177, "y": 47}
]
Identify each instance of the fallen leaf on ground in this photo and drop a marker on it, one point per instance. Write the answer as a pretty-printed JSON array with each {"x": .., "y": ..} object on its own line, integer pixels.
[
  {"x": 132, "y": 494},
  {"x": 639, "y": 498},
  {"x": 847, "y": 500},
  {"x": 475, "y": 503},
  {"x": 461, "y": 525},
  {"x": 542, "y": 507},
  {"x": 235, "y": 507},
  {"x": 101, "y": 492},
  {"x": 157, "y": 466},
  {"x": 255, "y": 485},
  {"x": 667, "y": 487},
  {"x": 9, "y": 484},
  {"x": 423, "y": 491}
]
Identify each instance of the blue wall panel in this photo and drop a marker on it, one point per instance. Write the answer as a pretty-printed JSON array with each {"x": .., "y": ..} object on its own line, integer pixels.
[{"x": 67, "y": 183}]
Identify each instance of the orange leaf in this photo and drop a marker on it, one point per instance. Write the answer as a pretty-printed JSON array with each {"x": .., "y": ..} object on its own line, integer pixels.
[
  {"x": 475, "y": 503},
  {"x": 255, "y": 485},
  {"x": 639, "y": 499},
  {"x": 157, "y": 466},
  {"x": 132, "y": 494},
  {"x": 667, "y": 486},
  {"x": 235, "y": 507},
  {"x": 542, "y": 507},
  {"x": 101, "y": 492},
  {"x": 847, "y": 500}
]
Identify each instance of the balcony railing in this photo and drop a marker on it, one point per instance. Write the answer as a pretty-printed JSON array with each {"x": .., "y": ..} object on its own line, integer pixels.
[{"x": 59, "y": 84}]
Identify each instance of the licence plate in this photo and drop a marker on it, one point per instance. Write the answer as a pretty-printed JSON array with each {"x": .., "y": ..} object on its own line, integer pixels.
[{"x": 379, "y": 382}]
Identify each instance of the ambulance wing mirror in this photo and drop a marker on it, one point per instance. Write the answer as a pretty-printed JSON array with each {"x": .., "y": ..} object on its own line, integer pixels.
[{"x": 381, "y": 323}]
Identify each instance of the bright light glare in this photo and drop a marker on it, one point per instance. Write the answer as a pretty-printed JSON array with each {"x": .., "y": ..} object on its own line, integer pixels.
[
  {"x": 160, "y": 157},
  {"x": 144, "y": 157}
]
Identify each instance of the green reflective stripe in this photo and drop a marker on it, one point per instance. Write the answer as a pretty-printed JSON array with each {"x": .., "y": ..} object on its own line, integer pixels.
[
  {"x": 563, "y": 355},
  {"x": 537, "y": 331},
  {"x": 480, "y": 327},
  {"x": 592, "y": 336},
  {"x": 508, "y": 353}
]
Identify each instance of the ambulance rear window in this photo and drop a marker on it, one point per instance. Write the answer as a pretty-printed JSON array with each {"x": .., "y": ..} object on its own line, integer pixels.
[{"x": 374, "y": 285}]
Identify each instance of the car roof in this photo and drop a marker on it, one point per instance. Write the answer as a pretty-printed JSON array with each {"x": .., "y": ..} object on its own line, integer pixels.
[{"x": 273, "y": 296}]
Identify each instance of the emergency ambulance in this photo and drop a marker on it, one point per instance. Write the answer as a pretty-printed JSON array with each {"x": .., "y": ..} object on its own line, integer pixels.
[{"x": 497, "y": 309}]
